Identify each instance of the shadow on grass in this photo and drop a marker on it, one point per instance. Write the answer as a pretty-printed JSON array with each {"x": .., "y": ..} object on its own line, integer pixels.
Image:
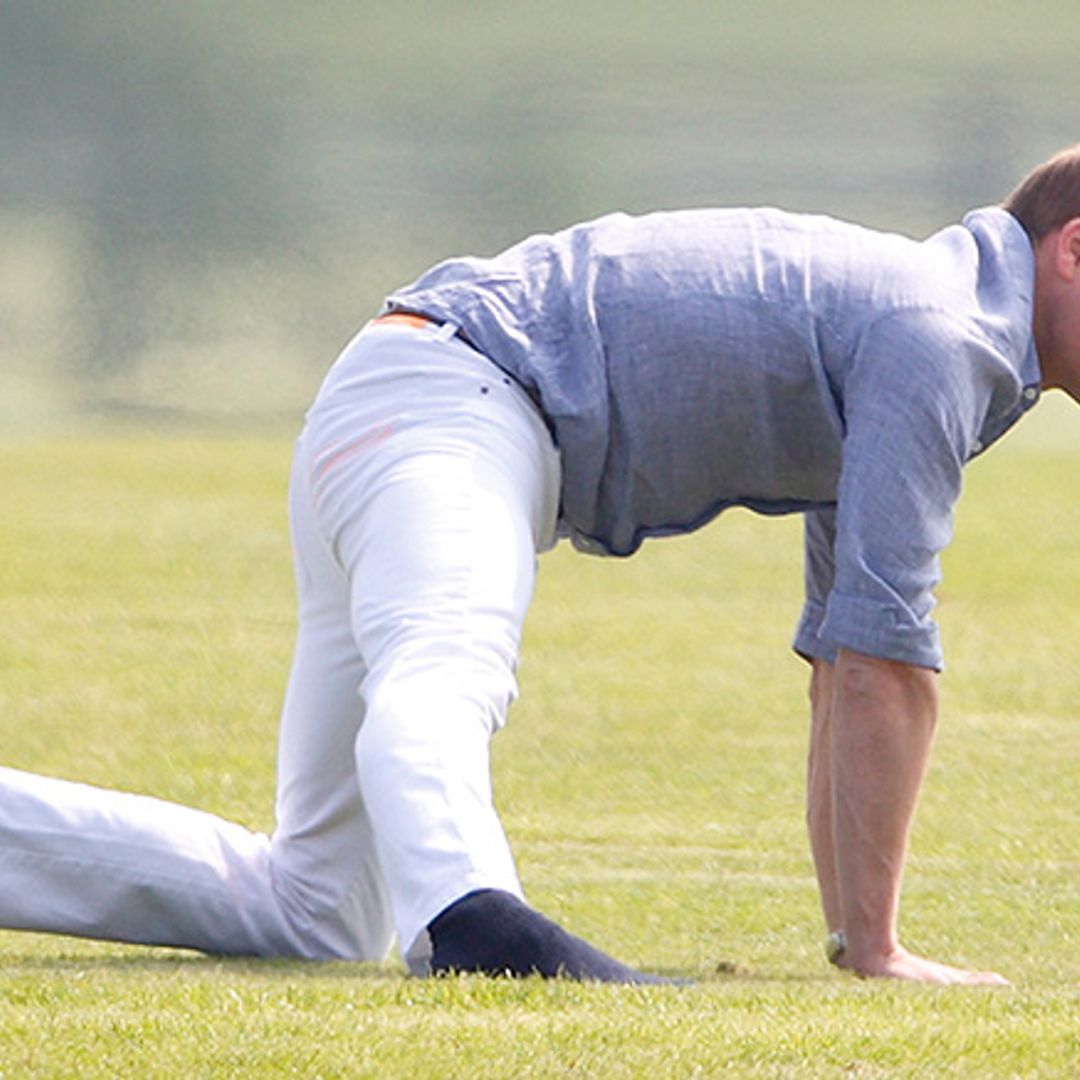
[
  {"x": 255, "y": 968},
  {"x": 194, "y": 963}
]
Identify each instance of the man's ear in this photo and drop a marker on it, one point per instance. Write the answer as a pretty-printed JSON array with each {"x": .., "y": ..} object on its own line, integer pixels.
[{"x": 1067, "y": 249}]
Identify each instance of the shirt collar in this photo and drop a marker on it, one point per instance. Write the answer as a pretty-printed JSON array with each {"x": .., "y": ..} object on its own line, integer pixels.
[{"x": 1006, "y": 289}]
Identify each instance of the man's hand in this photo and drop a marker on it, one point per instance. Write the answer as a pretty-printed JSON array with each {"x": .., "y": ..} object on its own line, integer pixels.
[
  {"x": 873, "y": 726},
  {"x": 900, "y": 964}
]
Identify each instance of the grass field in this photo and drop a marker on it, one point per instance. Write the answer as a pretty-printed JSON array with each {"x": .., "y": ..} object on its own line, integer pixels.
[{"x": 650, "y": 779}]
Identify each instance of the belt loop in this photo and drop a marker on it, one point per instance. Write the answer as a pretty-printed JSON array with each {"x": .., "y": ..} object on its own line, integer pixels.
[{"x": 446, "y": 331}]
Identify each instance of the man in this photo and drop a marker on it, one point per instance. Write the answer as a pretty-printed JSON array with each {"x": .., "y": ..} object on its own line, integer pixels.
[{"x": 627, "y": 378}]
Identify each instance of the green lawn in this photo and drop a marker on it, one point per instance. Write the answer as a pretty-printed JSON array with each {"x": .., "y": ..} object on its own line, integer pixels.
[{"x": 650, "y": 779}]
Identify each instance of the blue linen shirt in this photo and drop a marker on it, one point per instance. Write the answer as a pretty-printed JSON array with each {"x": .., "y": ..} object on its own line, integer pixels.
[{"x": 695, "y": 360}]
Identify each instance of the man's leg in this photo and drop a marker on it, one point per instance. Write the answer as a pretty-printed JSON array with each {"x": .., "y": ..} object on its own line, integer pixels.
[
  {"x": 91, "y": 862},
  {"x": 434, "y": 489},
  {"x": 326, "y": 871},
  {"x": 97, "y": 863},
  {"x": 432, "y": 502}
]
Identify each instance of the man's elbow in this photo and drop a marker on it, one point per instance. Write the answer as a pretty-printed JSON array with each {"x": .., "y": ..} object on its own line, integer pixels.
[{"x": 873, "y": 681}]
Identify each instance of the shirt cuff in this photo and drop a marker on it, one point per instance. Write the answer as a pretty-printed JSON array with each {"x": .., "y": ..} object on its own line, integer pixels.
[
  {"x": 808, "y": 642},
  {"x": 883, "y": 630}
]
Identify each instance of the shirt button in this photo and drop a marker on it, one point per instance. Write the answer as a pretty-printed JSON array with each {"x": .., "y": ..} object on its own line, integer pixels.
[
  {"x": 976, "y": 447},
  {"x": 1030, "y": 393}
]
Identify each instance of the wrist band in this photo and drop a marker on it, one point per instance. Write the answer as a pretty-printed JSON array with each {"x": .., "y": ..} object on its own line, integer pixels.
[{"x": 835, "y": 944}]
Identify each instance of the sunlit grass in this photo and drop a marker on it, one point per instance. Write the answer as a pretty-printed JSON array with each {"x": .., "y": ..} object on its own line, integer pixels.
[{"x": 650, "y": 779}]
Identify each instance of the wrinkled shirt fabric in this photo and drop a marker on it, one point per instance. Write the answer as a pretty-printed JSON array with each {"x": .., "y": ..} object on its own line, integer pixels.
[{"x": 695, "y": 360}]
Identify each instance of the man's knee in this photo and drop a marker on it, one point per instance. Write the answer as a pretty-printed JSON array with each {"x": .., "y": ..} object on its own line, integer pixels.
[
  {"x": 327, "y": 924},
  {"x": 429, "y": 729},
  {"x": 428, "y": 697}
]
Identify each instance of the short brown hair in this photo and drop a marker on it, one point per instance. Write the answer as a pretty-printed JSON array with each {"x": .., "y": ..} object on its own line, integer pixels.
[{"x": 1049, "y": 195}]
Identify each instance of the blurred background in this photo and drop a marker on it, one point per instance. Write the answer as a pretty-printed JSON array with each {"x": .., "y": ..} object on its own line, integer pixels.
[{"x": 201, "y": 201}]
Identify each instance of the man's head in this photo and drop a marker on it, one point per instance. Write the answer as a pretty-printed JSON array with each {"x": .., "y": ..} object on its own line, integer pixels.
[
  {"x": 1049, "y": 195},
  {"x": 1047, "y": 204}
]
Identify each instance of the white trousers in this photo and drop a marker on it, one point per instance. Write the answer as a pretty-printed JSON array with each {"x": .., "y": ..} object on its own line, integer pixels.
[{"x": 423, "y": 486}]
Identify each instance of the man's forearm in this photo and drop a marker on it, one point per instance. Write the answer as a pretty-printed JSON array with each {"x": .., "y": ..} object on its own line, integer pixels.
[
  {"x": 819, "y": 796},
  {"x": 881, "y": 729}
]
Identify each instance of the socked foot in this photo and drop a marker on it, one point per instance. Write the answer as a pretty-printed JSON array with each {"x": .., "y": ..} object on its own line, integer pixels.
[{"x": 494, "y": 933}]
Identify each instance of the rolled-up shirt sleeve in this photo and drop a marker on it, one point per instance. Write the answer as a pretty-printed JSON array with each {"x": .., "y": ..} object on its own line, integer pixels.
[
  {"x": 819, "y": 536},
  {"x": 912, "y": 407}
]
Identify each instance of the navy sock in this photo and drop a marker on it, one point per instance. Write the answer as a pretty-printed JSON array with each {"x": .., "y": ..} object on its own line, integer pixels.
[{"x": 493, "y": 933}]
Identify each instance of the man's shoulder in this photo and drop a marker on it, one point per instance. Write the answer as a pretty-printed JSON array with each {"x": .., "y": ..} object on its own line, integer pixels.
[{"x": 974, "y": 279}]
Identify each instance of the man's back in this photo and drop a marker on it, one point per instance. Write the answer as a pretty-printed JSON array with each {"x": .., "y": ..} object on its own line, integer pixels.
[{"x": 693, "y": 360}]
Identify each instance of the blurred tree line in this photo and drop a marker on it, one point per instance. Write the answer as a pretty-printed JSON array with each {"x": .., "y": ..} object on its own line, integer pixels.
[{"x": 201, "y": 201}]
